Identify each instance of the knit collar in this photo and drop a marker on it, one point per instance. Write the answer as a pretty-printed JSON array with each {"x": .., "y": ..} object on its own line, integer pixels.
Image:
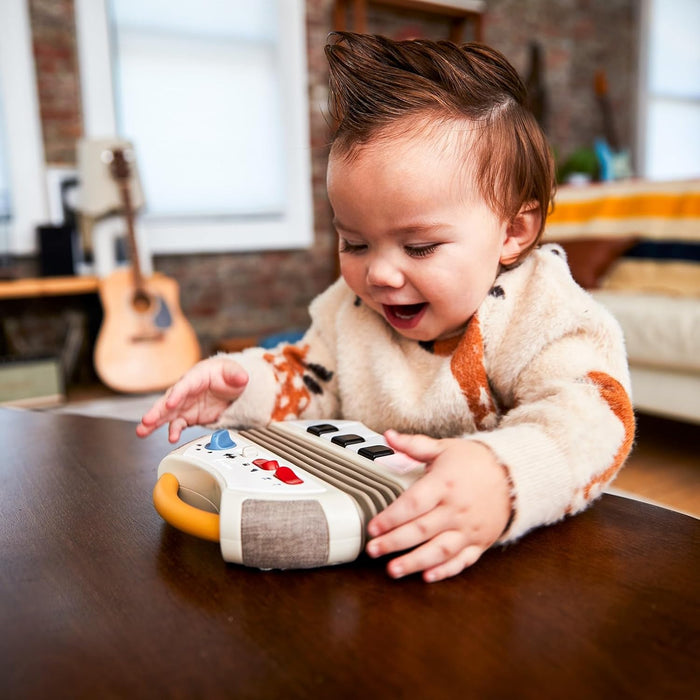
[{"x": 444, "y": 347}]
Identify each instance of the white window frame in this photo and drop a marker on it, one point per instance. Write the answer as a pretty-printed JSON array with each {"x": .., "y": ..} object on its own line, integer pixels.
[
  {"x": 294, "y": 227},
  {"x": 644, "y": 94},
  {"x": 23, "y": 137}
]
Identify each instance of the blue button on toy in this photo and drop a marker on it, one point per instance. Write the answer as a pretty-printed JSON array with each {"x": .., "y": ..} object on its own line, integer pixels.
[{"x": 220, "y": 440}]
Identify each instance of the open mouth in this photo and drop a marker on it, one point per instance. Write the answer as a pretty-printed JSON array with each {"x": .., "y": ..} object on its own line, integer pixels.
[{"x": 404, "y": 316}]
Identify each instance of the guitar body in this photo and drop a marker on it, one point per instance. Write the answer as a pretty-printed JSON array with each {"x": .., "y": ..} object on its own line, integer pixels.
[{"x": 145, "y": 343}]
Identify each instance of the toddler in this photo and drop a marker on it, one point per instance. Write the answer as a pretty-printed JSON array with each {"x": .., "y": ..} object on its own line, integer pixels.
[{"x": 450, "y": 329}]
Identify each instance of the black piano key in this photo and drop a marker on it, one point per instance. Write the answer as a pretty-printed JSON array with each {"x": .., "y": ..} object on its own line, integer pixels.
[
  {"x": 321, "y": 428},
  {"x": 345, "y": 440},
  {"x": 375, "y": 451}
]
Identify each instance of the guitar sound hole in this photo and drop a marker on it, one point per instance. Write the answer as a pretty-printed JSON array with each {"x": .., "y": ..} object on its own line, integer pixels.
[{"x": 141, "y": 302}]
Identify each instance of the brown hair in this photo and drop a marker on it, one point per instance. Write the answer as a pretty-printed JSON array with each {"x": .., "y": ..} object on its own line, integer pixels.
[{"x": 376, "y": 83}]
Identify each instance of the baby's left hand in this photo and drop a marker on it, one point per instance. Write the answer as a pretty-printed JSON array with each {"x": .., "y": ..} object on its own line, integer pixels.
[{"x": 450, "y": 516}]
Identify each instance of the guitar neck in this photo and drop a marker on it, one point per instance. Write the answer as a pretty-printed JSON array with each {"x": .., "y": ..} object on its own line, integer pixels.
[
  {"x": 121, "y": 173},
  {"x": 133, "y": 248},
  {"x": 608, "y": 122},
  {"x": 601, "y": 91}
]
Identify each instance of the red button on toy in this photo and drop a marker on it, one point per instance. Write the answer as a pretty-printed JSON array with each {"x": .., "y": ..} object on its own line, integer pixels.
[
  {"x": 268, "y": 464},
  {"x": 288, "y": 476}
]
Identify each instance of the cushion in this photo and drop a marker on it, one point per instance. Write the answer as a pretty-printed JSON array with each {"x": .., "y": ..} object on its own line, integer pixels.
[
  {"x": 660, "y": 331},
  {"x": 671, "y": 277},
  {"x": 591, "y": 258}
]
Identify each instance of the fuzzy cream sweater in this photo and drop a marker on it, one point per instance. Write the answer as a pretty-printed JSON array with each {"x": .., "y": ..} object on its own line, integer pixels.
[{"x": 540, "y": 376}]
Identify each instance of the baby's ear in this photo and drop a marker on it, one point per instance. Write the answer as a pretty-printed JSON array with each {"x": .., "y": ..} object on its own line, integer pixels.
[{"x": 521, "y": 233}]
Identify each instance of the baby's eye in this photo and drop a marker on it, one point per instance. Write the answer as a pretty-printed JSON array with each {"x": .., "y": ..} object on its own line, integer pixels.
[
  {"x": 421, "y": 251},
  {"x": 347, "y": 247}
]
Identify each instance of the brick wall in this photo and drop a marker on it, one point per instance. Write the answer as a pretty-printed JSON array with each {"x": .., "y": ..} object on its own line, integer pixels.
[
  {"x": 254, "y": 293},
  {"x": 579, "y": 37},
  {"x": 58, "y": 81}
]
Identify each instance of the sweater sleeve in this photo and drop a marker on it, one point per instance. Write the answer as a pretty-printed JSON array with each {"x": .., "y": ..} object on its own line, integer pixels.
[
  {"x": 291, "y": 381},
  {"x": 567, "y": 424}
]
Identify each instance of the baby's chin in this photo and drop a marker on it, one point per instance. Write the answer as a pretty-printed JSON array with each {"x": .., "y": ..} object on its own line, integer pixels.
[
  {"x": 432, "y": 335},
  {"x": 429, "y": 334}
]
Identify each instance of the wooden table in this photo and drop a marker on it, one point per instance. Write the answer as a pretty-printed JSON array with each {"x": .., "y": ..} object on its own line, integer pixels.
[{"x": 100, "y": 598}]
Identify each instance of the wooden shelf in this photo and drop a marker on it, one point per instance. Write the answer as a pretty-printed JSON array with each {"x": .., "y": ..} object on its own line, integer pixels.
[
  {"x": 460, "y": 13},
  {"x": 31, "y": 287}
]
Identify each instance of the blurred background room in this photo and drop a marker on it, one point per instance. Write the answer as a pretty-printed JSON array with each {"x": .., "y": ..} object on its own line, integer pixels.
[{"x": 216, "y": 110}]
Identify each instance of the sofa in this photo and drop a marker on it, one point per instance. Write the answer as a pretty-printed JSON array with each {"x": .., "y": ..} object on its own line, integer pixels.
[{"x": 635, "y": 246}]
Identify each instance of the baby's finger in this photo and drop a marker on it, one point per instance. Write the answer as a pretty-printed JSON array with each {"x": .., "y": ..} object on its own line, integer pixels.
[
  {"x": 411, "y": 533},
  {"x": 417, "y": 500},
  {"x": 420, "y": 447},
  {"x": 177, "y": 425},
  {"x": 143, "y": 430},
  {"x": 234, "y": 375},
  {"x": 432, "y": 554},
  {"x": 155, "y": 416},
  {"x": 178, "y": 392},
  {"x": 462, "y": 560}
]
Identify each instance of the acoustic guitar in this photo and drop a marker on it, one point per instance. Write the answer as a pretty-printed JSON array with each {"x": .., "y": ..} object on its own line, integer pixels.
[
  {"x": 145, "y": 343},
  {"x": 615, "y": 162}
]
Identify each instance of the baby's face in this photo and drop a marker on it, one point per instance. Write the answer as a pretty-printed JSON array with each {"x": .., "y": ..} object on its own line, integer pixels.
[{"x": 417, "y": 243}]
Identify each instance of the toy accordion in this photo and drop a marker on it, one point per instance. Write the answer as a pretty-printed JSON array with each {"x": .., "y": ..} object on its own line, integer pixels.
[{"x": 296, "y": 494}]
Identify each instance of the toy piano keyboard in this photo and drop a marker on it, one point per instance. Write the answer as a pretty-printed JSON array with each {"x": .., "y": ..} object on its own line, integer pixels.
[{"x": 296, "y": 494}]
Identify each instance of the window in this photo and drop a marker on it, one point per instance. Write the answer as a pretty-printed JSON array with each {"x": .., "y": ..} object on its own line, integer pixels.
[
  {"x": 5, "y": 208},
  {"x": 213, "y": 96},
  {"x": 23, "y": 202},
  {"x": 670, "y": 90}
]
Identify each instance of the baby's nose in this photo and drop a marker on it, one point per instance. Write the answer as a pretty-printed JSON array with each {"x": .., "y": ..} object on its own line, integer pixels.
[{"x": 381, "y": 272}]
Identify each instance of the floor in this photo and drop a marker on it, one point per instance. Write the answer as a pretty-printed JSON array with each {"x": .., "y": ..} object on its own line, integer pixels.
[
  {"x": 665, "y": 464},
  {"x": 664, "y": 467}
]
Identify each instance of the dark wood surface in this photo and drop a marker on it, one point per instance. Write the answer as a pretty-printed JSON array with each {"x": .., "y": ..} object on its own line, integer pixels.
[{"x": 100, "y": 598}]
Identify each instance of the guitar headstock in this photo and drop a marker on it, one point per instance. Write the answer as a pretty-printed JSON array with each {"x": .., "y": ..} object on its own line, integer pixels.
[
  {"x": 119, "y": 165},
  {"x": 600, "y": 83}
]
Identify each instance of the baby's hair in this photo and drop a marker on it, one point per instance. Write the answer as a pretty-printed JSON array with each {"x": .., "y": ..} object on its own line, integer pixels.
[{"x": 377, "y": 85}]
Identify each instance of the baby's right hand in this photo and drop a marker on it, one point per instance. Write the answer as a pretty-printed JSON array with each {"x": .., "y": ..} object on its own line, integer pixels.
[{"x": 199, "y": 397}]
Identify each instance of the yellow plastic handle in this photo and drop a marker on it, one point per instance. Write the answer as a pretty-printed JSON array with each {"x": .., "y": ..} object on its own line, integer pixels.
[{"x": 181, "y": 515}]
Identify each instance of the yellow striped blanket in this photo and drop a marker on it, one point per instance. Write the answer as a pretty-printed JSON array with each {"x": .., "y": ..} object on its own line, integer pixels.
[{"x": 651, "y": 210}]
